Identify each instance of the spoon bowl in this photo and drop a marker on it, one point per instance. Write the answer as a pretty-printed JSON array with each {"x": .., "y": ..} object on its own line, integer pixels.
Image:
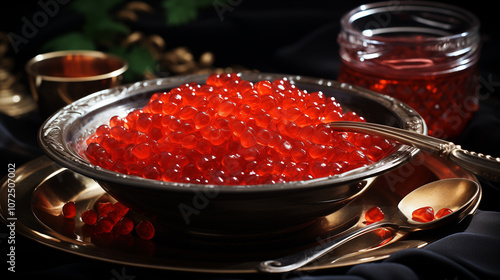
[{"x": 455, "y": 193}]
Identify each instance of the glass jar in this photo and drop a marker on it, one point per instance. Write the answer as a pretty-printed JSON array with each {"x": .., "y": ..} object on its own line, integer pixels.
[{"x": 422, "y": 53}]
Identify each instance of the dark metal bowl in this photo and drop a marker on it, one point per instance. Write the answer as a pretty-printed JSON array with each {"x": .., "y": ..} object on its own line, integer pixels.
[{"x": 213, "y": 209}]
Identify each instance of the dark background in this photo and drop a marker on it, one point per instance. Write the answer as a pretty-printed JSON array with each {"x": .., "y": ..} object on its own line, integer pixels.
[{"x": 280, "y": 36}]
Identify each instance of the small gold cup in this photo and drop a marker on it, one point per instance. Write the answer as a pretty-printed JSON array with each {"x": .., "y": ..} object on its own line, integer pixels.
[{"x": 59, "y": 78}]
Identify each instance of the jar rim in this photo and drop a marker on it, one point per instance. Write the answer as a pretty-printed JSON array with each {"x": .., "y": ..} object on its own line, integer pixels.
[{"x": 394, "y": 7}]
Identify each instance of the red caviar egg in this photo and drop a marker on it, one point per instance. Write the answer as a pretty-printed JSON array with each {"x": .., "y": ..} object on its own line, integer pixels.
[
  {"x": 385, "y": 234},
  {"x": 423, "y": 214},
  {"x": 120, "y": 208},
  {"x": 124, "y": 226},
  {"x": 374, "y": 214},
  {"x": 104, "y": 208},
  {"x": 269, "y": 123},
  {"x": 443, "y": 212},
  {"x": 89, "y": 217},
  {"x": 145, "y": 230},
  {"x": 105, "y": 224},
  {"x": 69, "y": 209}
]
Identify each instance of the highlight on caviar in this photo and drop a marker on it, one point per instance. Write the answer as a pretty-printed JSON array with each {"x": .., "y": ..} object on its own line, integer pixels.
[{"x": 230, "y": 131}]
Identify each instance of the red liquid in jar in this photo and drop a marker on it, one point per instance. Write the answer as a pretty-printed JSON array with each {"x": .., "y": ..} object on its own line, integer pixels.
[
  {"x": 446, "y": 101},
  {"x": 422, "y": 53}
]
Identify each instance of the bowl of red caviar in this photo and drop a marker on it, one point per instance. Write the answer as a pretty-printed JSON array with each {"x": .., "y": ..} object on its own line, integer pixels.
[{"x": 239, "y": 153}]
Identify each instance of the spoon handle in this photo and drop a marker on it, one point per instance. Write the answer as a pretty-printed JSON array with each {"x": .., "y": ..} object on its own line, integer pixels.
[
  {"x": 482, "y": 165},
  {"x": 300, "y": 259}
]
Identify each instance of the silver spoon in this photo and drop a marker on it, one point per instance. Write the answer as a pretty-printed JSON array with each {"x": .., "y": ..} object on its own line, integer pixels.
[
  {"x": 483, "y": 165},
  {"x": 455, "y": 194}
]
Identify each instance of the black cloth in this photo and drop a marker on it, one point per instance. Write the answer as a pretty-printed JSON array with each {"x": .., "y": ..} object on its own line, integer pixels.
[{"x": 293, "y": 37}]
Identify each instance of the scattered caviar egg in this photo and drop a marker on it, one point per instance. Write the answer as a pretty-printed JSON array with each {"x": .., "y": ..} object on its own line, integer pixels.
[
  {"x": 105, "y": 224},
  {"x": 374, "y": 214},
  {"x": 423, "y": 214},
  {"x": 120, "y": 208},
  {"x": 89, "y": 217},
  {"x": 69, "y": 209},
  {"x": 104, "y": 208},
  {"x": 183, "y": 135},
  {"x": 385, "y": 234},
  {"x": 124, "y": 226},
  {"x": 443, "y": 212},
  {"x": 145, "y": 230},
  {"x": 114, "y": 216}
]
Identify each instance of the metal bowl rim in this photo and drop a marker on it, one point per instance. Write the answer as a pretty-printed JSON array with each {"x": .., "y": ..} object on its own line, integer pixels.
[{"x": 57, "y": 54}]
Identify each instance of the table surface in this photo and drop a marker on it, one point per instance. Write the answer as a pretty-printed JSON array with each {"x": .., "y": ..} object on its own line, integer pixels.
[{"x": 293, "y": 37}]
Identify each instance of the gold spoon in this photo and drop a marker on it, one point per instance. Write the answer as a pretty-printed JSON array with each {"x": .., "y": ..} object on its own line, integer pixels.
[
  {"x": 456, "y": 194},
  {"x": 483, "y": 165}
]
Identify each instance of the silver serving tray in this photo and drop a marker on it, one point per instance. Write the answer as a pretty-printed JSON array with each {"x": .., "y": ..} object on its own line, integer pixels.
[{"x": 43, "y": 187}]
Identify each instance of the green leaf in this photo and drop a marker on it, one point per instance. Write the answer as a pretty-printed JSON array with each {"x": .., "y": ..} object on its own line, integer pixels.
[
  {"x": 181, "y": 15},
  {"x": 105, "y": 29},
  {"x": 182, "y": 11},
  {"x": 69, "y": 41},
  {"x": 140, "y": 61}
]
